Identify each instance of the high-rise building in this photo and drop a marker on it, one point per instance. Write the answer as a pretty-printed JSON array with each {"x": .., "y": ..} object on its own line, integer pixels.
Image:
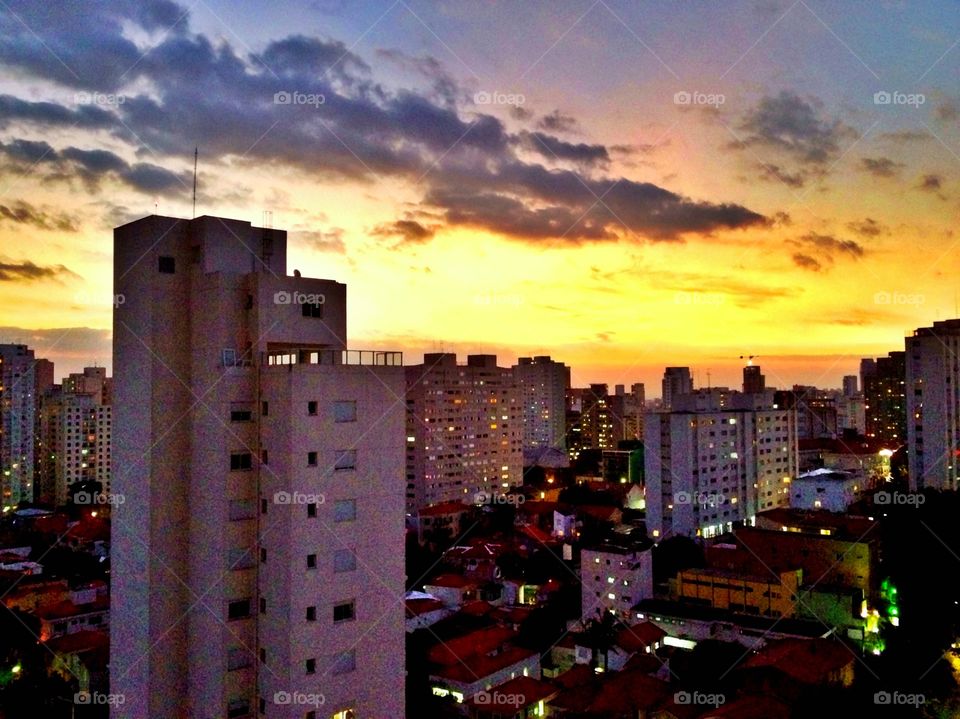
[
  {"x": 816, "y": 410},
  {"x": 257, "y": 557},
  {"x": 543, "y": 385},
  {"x": 717, "y": 458},
  {"x": 76, "y": 425},
  {"x": 602, "y": 423},
  {"x": 933, "y": 405},
  {"x": 676, "y": 382},
  {"x": 753, "y": 379},
  {"x": 464, "y": 430},
  {"x": 634, "y": 407},
  {"x": 885, "y": 401},
  {"x": 18, "y": 416},
  {"x": 850, "y": 387}
]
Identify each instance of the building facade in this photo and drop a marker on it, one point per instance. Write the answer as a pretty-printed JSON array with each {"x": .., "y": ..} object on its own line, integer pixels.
[
  {"x": 614, "y": 578},
  {"x": 18, "y": 416},
  {"x": 261, "y": 465},
  {"x": 885, "y": 400},
  {"x": 543, "y": 386},
  {"x": 677, "y": 381}
]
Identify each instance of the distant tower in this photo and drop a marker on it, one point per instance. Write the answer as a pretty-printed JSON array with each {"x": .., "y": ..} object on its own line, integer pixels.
[
  {"x": 753, "y": 381},
  {"x": 850, "y": 385},
  {"x": 676, "y": 381}
]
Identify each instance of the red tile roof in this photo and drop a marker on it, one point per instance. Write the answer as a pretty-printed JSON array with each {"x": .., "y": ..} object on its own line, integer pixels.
[
  {"x": 639, "y": 636},
  {"x": 82, "y": 641},
  {"x": 512, "y": 696},
  {"x": 417, "y": 607},
  {"x": 476, "y": 667},
  {"x": 452, "y": 581},
  {"x": 444, "y": 508},
  {"x": 750, "y": 707},
  {"x": 811, "y": 661},
  {"x": 481, "y": 641}
]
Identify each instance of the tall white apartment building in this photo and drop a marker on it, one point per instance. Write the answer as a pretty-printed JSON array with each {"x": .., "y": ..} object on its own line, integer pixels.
[
  {"x": 464, "y": 430},
  {"x": 933, "y": 405},
  {"x": 543, "y": 386},
  {"x": 613, "y": 578},
  {"x": 18, "y": 407},
  {"x": 76, "y": 427},
  {"x": 257, "y": 553},
  {"x": 718, "y": 458}
]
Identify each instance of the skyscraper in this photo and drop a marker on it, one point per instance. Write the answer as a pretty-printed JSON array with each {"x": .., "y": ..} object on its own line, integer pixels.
[
  {"x": 718, "y": 458},
  {"x": 464, "y": 430},
  {"x": 850, "y": 385},
  {"x": 543, "y": 385},
  {"x": 753, "y": 380},
  {"x": 933, "y": 405},
  {"x": 676, "y": 382},
  {"x": 885, "y": 401},
  {"x": 18, "y": 413},
  {"x": 257, "y": 561}
]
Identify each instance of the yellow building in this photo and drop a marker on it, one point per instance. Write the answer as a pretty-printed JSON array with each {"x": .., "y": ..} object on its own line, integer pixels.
[{"x": 721, "y": 589}]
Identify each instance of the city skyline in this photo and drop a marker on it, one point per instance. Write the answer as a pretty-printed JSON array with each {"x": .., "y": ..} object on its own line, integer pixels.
[{"x": 619, "y": 175}]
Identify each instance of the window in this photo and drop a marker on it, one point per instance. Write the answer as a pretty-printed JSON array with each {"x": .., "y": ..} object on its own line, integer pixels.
[
  {"x": 344, "y": 611},
  {"x": 345, "y": 411},
  {"x": 346, "y": 459},
  {"x": 312, "y": 408},
  {"x": 311, "y": 459},
  {"x": 311, "y": 614},
  {"x": 263, "y": 506},
  {"x": 239, "y": 558},
  {"x": 313, "y": 310},
  {"x": 237, "y": 658},
  {"x": 312, "y": 509},
  {"x": 344, "y": 662},
  {"x": 345, "y": 510},
  {"x": 167, "y": 265},
  {"x": 238, "y": 708},
  {"x": 263, "y": 555},
  {"x": 311, "y": 666},
  {"x": 241, "y": 414},
  {"x": 263, "y": 655},
  {"x": 242, "y": 509},
  {"x": 344, "y": 560},
  {"x": 238, "y": 609},
  {"x": 264, "y": 457},
  {"x": 311, "y": 561},
  {"x": 263, "y": 605},
  {"x": 241, "y": 461},
  {"x": 265, "y": 408}
]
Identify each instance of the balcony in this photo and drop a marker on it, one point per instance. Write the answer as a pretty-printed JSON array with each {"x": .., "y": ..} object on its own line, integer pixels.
[{"x": 335, "y": 357}]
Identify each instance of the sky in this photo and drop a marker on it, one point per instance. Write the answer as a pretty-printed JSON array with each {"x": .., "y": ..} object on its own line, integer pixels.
[{"x": 621, "y": 185}]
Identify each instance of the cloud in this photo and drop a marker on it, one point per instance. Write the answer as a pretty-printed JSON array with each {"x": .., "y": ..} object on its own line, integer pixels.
[
  {"x": 867, "y": 227},
  {"x": 26, "y": 271},
  {"x": 556, "y": 121},
  {"x": 70, "y": 348},
  {"x": 880, "y": 166},
  {"x": 904, "y": 136},
  {"x": 806, "y": 262},
  {"x": 321, "y": 241},
  {"x": 831, "y": 245},
  {"x": 408, "y": 231},
  {"x": 932, "y": 183},
  {"x": 554, "y": 148},
  {"x": 778, "y": 174},
  {"x": 795, "y": 127},
  {"x": 23, "y": 213}
]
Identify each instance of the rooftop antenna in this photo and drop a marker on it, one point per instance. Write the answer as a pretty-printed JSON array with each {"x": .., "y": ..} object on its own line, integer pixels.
[
  {"x": 708, "y": 378},
  {"x": 196, "y": 152}
]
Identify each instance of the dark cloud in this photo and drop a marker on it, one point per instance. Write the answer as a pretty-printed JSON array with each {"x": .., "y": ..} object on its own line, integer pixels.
[
  {"x": 23, "y": 213},
  {"x": 407, "y": 231},
  {"x": 931, "y": 183},
  {"x": 831, "y": 246},
  {"x": 554, "y": 148},
  {"x": 880, "y": 166},
  {"x": 556, "y": 121},
  {"x": 519, "y": 112},
  {"x": 867, "y": 227},
  {"x": 444, "y": 86},
  {"x": 472, "y": 169},
  {"x": 806, "y": 262},
  {"x": 794, "y": 126},
  {"x": 50, "y": 114},
  {"x": 26, "y": 271},
  {"x": 775, "y": 173}
]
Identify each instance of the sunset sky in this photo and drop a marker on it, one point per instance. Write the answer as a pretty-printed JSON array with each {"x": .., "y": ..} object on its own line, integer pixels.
[{"x": 621, "y": 185}]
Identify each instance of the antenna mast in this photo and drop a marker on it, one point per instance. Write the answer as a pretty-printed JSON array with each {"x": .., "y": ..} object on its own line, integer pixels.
[{"x": 196, "y": 151}]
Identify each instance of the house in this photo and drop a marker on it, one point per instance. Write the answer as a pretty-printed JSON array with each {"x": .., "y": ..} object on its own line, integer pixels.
[
  {"x": 82, "y": 657},
  {"x": 444, "y": 519},
  {"x": 811, "y": 662},
  {"x": 452, "y": 589},
  {"x": 424, "y": 610}
]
